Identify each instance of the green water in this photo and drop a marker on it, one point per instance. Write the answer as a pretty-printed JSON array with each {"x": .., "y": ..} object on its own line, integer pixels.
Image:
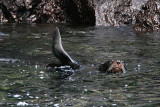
[{"x": 25, "y": 50}]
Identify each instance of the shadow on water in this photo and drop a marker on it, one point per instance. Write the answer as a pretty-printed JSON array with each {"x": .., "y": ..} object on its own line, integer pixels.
[{"x": 25, "y": 50}]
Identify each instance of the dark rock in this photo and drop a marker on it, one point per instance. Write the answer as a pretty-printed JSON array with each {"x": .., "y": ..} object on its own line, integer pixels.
[
  {"x": 7, "y": 15},
  {"x": 47, "y": 11},
  {"x": 80, "y": 12},
  {"x": 123, "y": 14},
  {"x": 144, "y": 15},
  {"x": 148, "y": 19},
  {"x": 39, "y": 11}
]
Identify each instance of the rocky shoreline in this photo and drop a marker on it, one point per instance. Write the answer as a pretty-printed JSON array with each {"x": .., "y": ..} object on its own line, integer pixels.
[{"x": 143, "y": 15}]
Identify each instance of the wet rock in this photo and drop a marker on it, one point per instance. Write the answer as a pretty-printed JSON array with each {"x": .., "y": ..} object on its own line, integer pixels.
[
  {"x": 5, "y": 14},
  {"x": 80, "y": 12},
  {"x": 148, "y": 18},
  {"x": 38, "y": 11},
  {"x": 112, "y": 12},
  {"x": 143, "y": 15},
  {"x": 117, "y": 12},
  {"x": 47, "y": 11}
]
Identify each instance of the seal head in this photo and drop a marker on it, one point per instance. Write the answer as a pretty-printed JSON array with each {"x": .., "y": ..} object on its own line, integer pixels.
[{"x": 115, "y": 66}]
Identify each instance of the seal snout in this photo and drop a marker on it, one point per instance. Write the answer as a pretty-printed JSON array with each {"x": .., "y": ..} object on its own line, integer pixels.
[
  {"x": 118, "y": 62},
  {"x": 118, "y": 66}
]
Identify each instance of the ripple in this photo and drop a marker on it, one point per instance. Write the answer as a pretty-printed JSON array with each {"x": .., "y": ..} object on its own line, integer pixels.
[
  {"x": 56, "y": 105},
  {"x": 22, "y": 104},
  {"x": 17, "y": 95},
  {"x": 8, "y": 60},
  {"x": 27, "y": 82}
]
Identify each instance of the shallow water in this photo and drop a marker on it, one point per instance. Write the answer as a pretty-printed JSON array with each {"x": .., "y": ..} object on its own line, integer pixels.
[{"x": 25, "y": 50}]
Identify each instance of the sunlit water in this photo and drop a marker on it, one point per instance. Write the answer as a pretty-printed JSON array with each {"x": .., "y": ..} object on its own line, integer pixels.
[{"x": 25, "y": 50}]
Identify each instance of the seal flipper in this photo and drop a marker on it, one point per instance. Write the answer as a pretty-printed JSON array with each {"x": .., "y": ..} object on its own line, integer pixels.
[{"x": 60, "y": 53}]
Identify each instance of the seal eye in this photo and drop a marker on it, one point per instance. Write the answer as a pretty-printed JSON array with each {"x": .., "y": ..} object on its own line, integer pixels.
[{"x": 118, "y": 62}]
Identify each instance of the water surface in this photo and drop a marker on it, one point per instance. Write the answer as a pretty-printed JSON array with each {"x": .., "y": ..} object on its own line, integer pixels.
[{"x": 25, "y": 50}]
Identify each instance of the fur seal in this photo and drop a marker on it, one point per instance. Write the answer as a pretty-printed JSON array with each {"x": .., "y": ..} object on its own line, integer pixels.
[
  {"x": 60, "y": 53},
  {"x": 115, "y": 66}
]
